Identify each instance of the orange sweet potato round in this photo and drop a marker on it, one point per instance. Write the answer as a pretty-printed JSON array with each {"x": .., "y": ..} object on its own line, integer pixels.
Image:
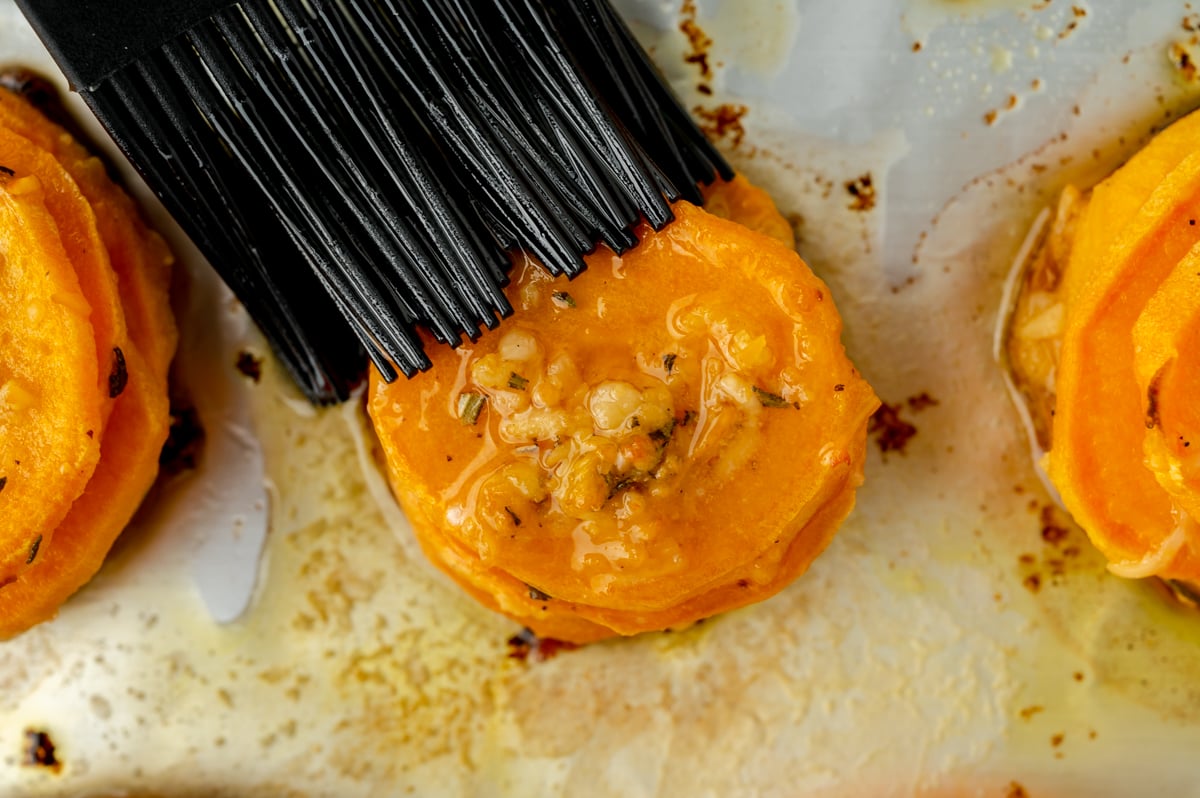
[
  {"x": 49, "y": 405},
  {"x": 140, "y": 417},
  {"x": 138, "y": 254},
  {"x": 741, "y": 201},
  {"x": 674, "y": 433},
  {"x": 1167, "y": 366},
  {"x": 1139, "y": 224},
  {"x": 128, "y": 467},
  {"x": 77, "y": 228}
]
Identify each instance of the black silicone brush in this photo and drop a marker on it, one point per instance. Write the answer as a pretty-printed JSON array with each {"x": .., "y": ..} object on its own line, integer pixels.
[{"x": 355, "y": 169}]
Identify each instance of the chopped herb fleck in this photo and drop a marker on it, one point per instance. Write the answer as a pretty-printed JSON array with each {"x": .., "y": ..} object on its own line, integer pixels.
[
  {"x": 516, "y": 381},
  {"x": 669, "y": 362},
  {"x": 470, "y": 405},
  {"x": 118, "y": 378},
  {"x": 635, "y": 422},
  {"x": 662, "y": 437},
  {"x": 625, "y": 484},
  {"x": 769, "y": 399},
  {"x": 536, "y": 594},
  {"x": 516, "y": 519},
  {"x": 33, "y": 550},
  {"x": 563, "y": 299},
  {"x": 839, "y": 387}
]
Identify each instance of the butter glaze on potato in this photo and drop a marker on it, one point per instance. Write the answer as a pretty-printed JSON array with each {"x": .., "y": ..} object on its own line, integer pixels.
[{"x": 675, "y": 433}]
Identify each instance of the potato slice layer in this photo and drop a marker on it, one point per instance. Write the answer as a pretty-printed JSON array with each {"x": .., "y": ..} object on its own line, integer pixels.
[
  {"x": 139, "y": 256},
  {"x": 675, "y": 433},
  {"x": 49, "y": 404},
  {"x": 68, "y": 224},
  {"x": 1167, "y": 366},
  {"x": 1120, "y": 362}
]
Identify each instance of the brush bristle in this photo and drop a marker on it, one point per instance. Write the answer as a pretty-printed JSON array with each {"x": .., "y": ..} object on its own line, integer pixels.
[{"x": 357, "y": 169}]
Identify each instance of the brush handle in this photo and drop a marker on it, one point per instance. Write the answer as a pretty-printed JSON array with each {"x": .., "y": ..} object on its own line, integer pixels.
[{"x": 92, "y": 39}]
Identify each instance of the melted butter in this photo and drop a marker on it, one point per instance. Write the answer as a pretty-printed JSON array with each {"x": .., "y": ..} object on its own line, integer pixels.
[
  {"x": 758, "y": 43},
  {"x": 599, "y": 473},
  {"x": 922, "y": 17}
]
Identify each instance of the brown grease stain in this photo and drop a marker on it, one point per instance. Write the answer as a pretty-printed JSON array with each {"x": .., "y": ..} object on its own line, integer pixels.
[
  {"x": 699, "y": 45},
  {"x": 40, "y": 751},
  {"x": 862, "y": 193},
  {"x": 249, "y": 365},
  {"x": 722, "y": 122},
  {"x": 891, "y": 432}
]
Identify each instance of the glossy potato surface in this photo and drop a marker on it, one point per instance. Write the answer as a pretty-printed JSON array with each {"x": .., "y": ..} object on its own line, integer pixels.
[
  {"x": 675, "y": 433},
  {"x": 50, "y": 405},
  {"x": 86, "y": 233}
]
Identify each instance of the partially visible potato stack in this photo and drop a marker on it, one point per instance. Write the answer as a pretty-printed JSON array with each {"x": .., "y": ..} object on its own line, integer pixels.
[
  {"x": 86, "y": 340},
  {"x": 675, "y": 433},
  {"x": 1105, "y": 345}
]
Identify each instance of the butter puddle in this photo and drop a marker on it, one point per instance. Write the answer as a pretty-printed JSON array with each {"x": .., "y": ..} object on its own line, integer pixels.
[{"x": 1050, "y": 20}]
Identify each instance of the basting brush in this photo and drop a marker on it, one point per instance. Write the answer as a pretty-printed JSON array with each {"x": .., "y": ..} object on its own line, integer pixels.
[{"x": 358, "y": 169}]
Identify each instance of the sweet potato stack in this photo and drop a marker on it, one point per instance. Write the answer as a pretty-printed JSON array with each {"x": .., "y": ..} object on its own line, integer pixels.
[
  {"x": 1115, "y": 337},
  {"x": 675, "y": 433},
  {"x": 86, "y": 340}
]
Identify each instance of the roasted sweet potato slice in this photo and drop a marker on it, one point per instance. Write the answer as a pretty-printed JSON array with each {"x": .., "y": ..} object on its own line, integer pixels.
[
  {"x": 77, "y": 228},
  {"x": 674, "y": 433},
  {"x": 107, "y": 240},
  {"x": 741, "y": 201},
  {"x": 580, "y": 623},
  {"x": 128, "y": 466},
  {"x": 76, "y": 225},
  {"x": 1117, "y": 199},
  {"x": 137, "y": 253},
  {"x": 1097, "y": 459},
  {"x": 1167, "y": 366},
  {"x": 49, "y": 404}
]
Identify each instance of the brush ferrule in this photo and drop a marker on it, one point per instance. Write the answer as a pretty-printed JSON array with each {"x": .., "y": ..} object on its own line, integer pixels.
[{"x": 92, "y": 39}]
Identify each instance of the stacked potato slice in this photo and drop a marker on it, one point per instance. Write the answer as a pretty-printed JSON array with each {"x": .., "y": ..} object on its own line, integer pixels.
[
  {"x": 86, "y": 340},
  {"x": 1125, "y": 429},
  {"x": 675, "y": 433}
]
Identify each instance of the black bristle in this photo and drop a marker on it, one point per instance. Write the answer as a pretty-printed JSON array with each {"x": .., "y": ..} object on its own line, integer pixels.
[
  {"x": 358, "y": 170},
  {"x": 148, "y": 113},
  {"x": 315, "y": 226},
  {"x": 659, "y": 98},
  {"x": 516, "y": 99},
  {"x": 615, "y": 75},
  {"x": 494, "y": 171},
  {"x": 480, "y": 79},
  {"x": 417, "y": 204},
  {"x": 522, "y": 26}
]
